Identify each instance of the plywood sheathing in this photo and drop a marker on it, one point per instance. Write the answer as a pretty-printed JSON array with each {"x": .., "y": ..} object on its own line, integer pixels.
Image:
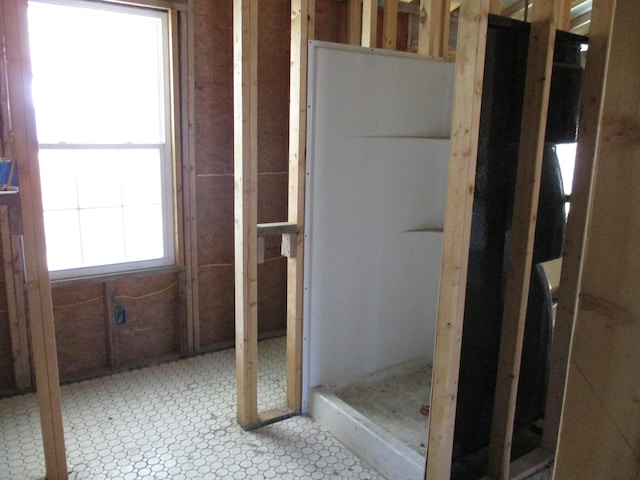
[
  {"x": 152, "y": 315},
  {"x": 80, "y": 329}
]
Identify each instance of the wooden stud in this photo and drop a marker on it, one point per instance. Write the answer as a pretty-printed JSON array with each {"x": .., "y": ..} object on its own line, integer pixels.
[
  {"x": 433, "y": 36},
  {"x": 369, "y": 23},
  {"x": 457, "y": 231},
  {"x": 602, "y": 378},
  {"x": 301, "y": 33},
  {"x": 41, "y": 324},
  {"x": 390, "y": 25},
  {"x": 590, "y": 118},
  {"x": 17, "y": 324},
  {"x": 354, "y": 22},
  {"x": 113, "y": 356},
  {"x": 531, "y": 149},
  {"x": 564, "y": 15},
  {"x": 20, "y": 304},
  {"x": 288, "y": 247},
  {"x": 495, "y": 7},
  {"x": 245, "y": 52},
  {"x": 189, "y": 201}
]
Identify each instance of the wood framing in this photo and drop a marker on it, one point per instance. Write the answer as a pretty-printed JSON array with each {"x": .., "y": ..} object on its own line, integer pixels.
[
  {"x": 245, "y": 88},
  {"x": 527, "y": 190},
  {"x": 369, "y": 23},
  {"x": 43, "y": 338},
  {"x": 433, "y": 35},
  {"x": 590, "y": 118},
  {"x": 354, "y": 22},
  {"x": 113, "y": 357},
  {"x": 495, "y": 7},
  {"x": 564, "y": 15},
  {"x": 390, "y": 25},
  {"x": 301, "y": 11},
  {"x": 457, "y": 231},
  {"x": 187, "y": 127},
  {"x": 604, "y": 360},
  {"x": 17, "y": 322}
]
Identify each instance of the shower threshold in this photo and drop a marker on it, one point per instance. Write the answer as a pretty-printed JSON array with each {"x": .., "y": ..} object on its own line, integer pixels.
[{"x": 381, "y": 418}]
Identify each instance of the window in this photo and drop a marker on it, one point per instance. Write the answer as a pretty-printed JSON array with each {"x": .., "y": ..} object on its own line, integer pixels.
[{"x": 101, "y": 90}]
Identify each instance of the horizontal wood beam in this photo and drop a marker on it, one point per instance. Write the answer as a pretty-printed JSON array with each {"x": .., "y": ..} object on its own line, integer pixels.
[{"x": 276, "y": 228}]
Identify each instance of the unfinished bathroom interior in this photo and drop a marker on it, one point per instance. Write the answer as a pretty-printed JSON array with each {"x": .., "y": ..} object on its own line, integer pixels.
[{"x": 337, "y": 180}]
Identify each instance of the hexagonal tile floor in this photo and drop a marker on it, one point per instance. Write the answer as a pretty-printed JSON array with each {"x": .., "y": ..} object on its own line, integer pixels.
[{"x": 175, "y": 421}]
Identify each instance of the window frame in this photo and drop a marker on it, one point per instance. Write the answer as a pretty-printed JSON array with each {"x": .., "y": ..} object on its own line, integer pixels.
[{"x": 169, "y": 150}]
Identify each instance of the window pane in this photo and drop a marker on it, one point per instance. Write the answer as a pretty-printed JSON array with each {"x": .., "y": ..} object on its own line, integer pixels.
[
  {"x": 141, "y": 177},
  {"x": 143, "y": 227},
  {"x": 62, "y": 230},
  {"x": 58, "y": 179},
  {"x": 99, "y": 174},
  {"x": 102, "y": 236},
  {"x": 108, "y": 85}
]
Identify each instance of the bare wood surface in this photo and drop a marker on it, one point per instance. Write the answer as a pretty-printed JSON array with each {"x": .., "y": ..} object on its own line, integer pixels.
[
  {"x": 457, "y": 230},
  {"x": 433, "y": 35},
  {"x": 590, "y": 118},
  {"x": 300, "y": 35},
  {"x": 188, "y": 174},
  {"x": 564, "y": 15},
  {"x": 109, "y": 319},
  {"x": 531, "y": 149},
  {"x": 369, "y": 23},
  {"x": 276, "y": 228},
  {"x": 390, "y": 24},
  {"x": 604, "y": 361},
  {"x": 245, "y": 45},
  {"x": 354, "y": 22},
  {"x": 17, "y": 330},
  {"x": 43, "y": 339}
]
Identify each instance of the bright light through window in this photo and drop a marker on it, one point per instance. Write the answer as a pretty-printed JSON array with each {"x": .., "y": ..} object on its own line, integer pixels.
[{"x": 101, "y": 95}]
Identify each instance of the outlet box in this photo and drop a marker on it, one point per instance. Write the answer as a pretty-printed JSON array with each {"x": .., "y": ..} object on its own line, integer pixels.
[{"x": 120, "y": 315}]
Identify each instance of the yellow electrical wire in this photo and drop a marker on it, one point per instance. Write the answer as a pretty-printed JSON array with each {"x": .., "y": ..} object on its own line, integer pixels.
[
  {"x": 91, "y": 300},
  {"x": 150, "y": 294}
]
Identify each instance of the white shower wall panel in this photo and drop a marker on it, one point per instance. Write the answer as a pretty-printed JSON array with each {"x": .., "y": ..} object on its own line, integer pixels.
[{"x": 377, "y": 156}]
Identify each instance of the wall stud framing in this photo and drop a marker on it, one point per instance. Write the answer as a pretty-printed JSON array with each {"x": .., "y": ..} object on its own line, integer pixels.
[
  {"x": 369, "y": 23},
  {"x": 245, "y": 52},
  {"x": 354, "y": 22},
  {"x": 495, "y": 7},
  {"x": 457, "y": 231},
  {"x": 590, "y": 118},
  {"x": 190, "y": 278},
  {"x": 390, "y": 25},
  {"x": 41, "y": 324},
  {"x": 301, "y": 33},
  {"x": 433, "y": 35},
  {"x": 17, "y": 322},
  {"x": 534, "y": 122}
]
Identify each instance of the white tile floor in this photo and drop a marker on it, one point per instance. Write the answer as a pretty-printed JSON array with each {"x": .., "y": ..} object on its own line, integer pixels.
[{"x": 175, "y": 421}]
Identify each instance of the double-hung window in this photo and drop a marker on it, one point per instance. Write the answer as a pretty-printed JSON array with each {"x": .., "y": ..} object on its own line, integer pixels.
[{"x": 102, "y": 96}]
